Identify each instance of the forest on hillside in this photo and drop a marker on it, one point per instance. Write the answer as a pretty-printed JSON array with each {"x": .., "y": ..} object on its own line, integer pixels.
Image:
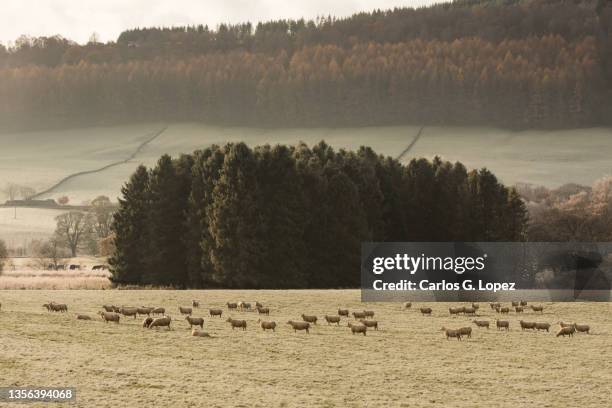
[
  {"x": 509, "y": 63},
  {"x": 295, "y": 216}
]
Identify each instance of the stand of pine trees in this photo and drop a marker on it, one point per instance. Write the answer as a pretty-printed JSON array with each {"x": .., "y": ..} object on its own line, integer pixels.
[{"x": 293, "y": 216}]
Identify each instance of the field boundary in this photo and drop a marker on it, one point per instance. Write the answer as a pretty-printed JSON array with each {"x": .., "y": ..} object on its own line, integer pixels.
[
  {"x": 101, "y": 169},
  {"x": 411, "y": 145}
]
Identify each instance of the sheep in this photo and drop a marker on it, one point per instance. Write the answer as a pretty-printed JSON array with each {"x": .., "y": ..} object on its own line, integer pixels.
[
  {"x": 47, "y": 306},
  {"x": 451, "y": 333},
  {"x": 109, "y": 317},
  {"x": 407, "y": 305},
  {"x": 453, "y": 311},
  {"x": 518, "y": 309},
  {"x": 369, "y": 323},
  {"x": 198, "y": 333},
  {"x": 537, "y": 308},
  {"x": 542, "y": 326},
  {"x": 265, "y": 325},
  {"x": 425, "y": 311},
  {"x": 504, "y": 310},
  {"x": 368, "y": 313},
  {"x": 481, "y": 323},
  {"x": 147, "y": 322},
  {"x": 108, "y": 308},
  {"x": 523, "y": 303},
  {"x": 244, "y": 306},
  {"x": 358, "y": 328},
  {"x": 257, "y": 304},
  {"x": 158, "y": 311},
  {"x": 332, "y": 319},
  {"x": 128, "y": 311},
  {"x": 185, "y": 310},
  {"x": 465, "y": 331},
  {"x": 82, "y": 317},
  {"x": 561, "y": 324},
  {"x": 144, "y": 310},
  {"x": 237, "y": 323},
  {"x": 263, "y": 310},
  {"x": 582, "y": 328},
  {"x": 502, "y": 324},
  {"x": 309, "y": 318},
  {"x": 515, "y": 304},
  {"x": 161, "y": 322},
  {"x": 566, "y": 331},
  {"x": 359, "y": 315},
  {"x": 195, "y": 321},
  {"x": 475, "y": 306},
  {"x": 495, "y": 305},
  {"x": 58, "y": 307},
  {"x": 343, "y": 312},
  {"x": 527, "y": 325},
  {"x": 469, "y": 311},
  {"x": 215, "y": 312},
  {"x": 232, "y": 306},
  {"x": 299, "y": 326},
  {"x": 195, "y": 303}
]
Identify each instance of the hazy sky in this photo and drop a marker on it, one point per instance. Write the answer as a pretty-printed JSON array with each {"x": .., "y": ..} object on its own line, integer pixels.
[{"x": 78, "y": 19}]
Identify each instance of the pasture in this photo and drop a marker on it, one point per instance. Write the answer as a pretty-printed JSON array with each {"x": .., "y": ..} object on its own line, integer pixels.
[{"x": 406, "y": 363}]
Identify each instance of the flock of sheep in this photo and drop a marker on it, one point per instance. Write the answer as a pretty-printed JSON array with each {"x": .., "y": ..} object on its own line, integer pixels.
[
  {"x": 157, "y": 317},
  {"x": 565, "y": 329}
]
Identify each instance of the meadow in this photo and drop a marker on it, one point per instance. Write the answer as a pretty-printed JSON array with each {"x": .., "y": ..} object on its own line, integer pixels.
[{"x": 407, "y": 363}]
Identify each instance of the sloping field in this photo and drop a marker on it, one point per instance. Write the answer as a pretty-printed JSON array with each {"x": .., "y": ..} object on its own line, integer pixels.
[
  {"x": 31, "y": 223},
  {"x": 407, "y": 363}
]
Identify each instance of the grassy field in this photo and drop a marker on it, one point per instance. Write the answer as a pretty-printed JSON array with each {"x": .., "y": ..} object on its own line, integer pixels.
[{"x": 407, "y": 363}]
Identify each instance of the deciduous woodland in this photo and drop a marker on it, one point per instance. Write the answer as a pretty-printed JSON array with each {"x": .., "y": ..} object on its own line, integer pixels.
[
  {"x": 518, "y": 64},
  {"x": 294, "y": 216}
]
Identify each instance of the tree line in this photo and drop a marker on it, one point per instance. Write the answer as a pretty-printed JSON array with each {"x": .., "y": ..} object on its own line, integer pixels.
[
  {"x": 544, "y": 64},
  {"x": 294, "y": 216}
]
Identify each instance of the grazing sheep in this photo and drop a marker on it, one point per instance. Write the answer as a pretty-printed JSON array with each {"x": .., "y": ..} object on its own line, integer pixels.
[
  {"x": 161, "y": 322},
  {"x": 263, "y": 310},
  {"x": 527, "y": 325},
  {"x": 504, "y": 310},
  {"x": 309, "y": 318},
  {"x": 58, "y": 307},
  {"x": 158, "y": 311},
  {"x": 82, "y": 317},
  {"x": 147, "y": 322},
  {"x": 232, "y": 306},
  {"x": 542, "y": 326},
  {"x": 128, "y": 311},
  {"x": 358, "y": 328},
  {"x": 265, "y": 325},
  {"x": 515, "y": 304},
  {"x": 370, "y": 323},
  {"x": 343, "y": 312},
  {"x": 332, "y": 319},
  {"x": 465, "y": 331},
  {"x": 566, "y": 331},
  {"x": 368, "y": 313},
  {"x": 244, "y": 306},
  {"x": 185, "y": 310},
  {"x": 215, "y": 312},
  {"x": 582, "y": 328},
  {"x": 469, "y": 311},
  {"x": 523, "y": 303},
  {"x": 537, "y": 308},
  {"x": 195, "y": 303},
  {"x": 502, "y": 324},
  {"x": 47, "y": 306},
  {"x": 454, "y": 310},
  {"x": 144, "y": 310},
  {"x": 359, "y": 315},
  {"x": 257, "y": 305},
  {"x": 518, "y": 309},
  {"x": 425, "y": 311},
  {"x": 451, "y": 333},
  {"x": 237, "y": 323},
  {"x": 108, "y": 308},
  {"x": 565, "y": 324},
  {"x": 299, "y": 326},
  {"x": 109, "y": 317},
  {"x": 198, "y": 333},
  {"x": 195, "y": 321},
  {"x": 475, "y": 306},
  {"x": 407, "y": 305},
  {"x": 481, "y": 323}
]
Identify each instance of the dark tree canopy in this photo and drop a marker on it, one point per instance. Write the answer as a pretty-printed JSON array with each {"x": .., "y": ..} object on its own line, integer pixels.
[{"x": 294, "y": 216}]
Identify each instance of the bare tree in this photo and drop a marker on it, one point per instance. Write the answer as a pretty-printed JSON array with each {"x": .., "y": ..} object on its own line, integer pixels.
[
  {"x": 49, "y": 252},
  {"x": 72, "y": 228},
  {"x": 102, "y": 211},
  {"x": 3, "y": 254}
]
